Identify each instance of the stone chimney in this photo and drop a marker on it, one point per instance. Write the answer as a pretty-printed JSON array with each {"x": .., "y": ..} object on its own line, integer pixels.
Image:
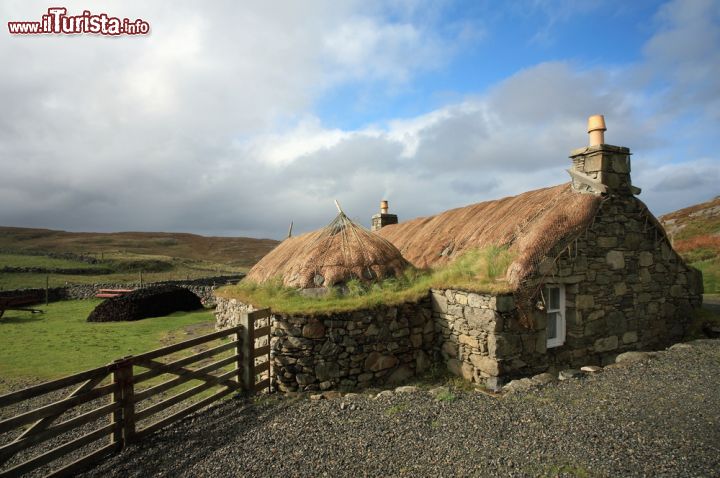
[
  {"x": 383, "y": 218},
  {"x": 601, "y": 168}
]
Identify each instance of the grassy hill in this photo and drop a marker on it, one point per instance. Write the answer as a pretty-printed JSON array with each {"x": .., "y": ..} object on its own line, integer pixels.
[
  {"x": 695, "y": 233},
  {"x": 120, "y": 256},
  {"x": 237, "y": 251}
]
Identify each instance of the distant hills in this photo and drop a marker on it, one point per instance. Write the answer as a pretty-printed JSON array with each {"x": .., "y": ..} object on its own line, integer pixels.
[
  {"x": 695, "y": 230},
  {"x": 234, "y": 251},
  {"x": 695, "y": 234}
]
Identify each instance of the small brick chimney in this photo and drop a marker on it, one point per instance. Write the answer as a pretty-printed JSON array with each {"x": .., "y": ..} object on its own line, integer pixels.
[
  {"x": 601, "y": 168},
  {"x": 383, "y": 218}
]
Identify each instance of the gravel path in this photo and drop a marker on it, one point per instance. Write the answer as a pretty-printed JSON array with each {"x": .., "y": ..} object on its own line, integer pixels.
[{"x": 658, "y": 417}]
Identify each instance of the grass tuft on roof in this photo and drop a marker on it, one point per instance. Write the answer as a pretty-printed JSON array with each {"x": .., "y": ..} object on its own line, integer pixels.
[{"x": 478, "y": 270}]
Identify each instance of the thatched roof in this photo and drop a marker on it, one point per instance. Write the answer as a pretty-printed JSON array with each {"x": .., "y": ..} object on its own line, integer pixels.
[
  {"x": 340, "y": 251},
  {"x": 530, "y": 224}
]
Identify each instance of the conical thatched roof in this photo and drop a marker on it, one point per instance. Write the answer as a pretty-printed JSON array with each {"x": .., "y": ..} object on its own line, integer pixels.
[{"x": 340, "y": 251}]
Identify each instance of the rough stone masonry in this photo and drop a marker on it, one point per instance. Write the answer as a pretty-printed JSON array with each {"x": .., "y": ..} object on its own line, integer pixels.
[{"x": 624, "y": 286}]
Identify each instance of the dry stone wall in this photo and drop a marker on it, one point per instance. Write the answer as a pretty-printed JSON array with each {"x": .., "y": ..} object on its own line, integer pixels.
[
  {"x": 625, "y": 289},
  {"x": 469, "y": 330},
  {"x": 203, "y": 288},
  {"x": 348, "y": 350},
  {"x": 54, "y": 293}
]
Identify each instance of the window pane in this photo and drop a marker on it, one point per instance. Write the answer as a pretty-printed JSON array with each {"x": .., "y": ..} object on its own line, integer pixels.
[
  {"x": 554, "y": 298},
  {"x": 552, "y": 325}
]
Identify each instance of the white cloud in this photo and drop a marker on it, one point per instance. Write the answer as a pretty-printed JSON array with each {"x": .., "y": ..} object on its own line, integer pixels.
[
  {"x": 669, "y": 186},
  {"x": 683, "y": 56},
  {"x": 366, "y": 48},
  {"x": 307, "y": 137},
  {"x": 206, "y": 124}
]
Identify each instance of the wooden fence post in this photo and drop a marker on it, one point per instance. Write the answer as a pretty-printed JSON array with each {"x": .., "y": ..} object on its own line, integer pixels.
[
  {"x": 245, "y": 348},
  {"x": 116, "y": 417},
  {"x": 239, "y": 352},
  {"x": 123, "y": 376}
]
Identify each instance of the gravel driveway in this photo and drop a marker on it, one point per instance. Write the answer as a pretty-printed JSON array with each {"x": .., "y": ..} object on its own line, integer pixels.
[{"x": 657, "y": 417}]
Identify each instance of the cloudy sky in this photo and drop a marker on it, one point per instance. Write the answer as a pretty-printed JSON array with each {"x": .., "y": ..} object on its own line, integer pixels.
[{"x": 234, "y": 118}]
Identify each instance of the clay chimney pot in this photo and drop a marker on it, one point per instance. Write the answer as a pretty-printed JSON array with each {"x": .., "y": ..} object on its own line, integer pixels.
[
  {"x": 596, "y": 128},
  {"x": 383, "y": 207}
]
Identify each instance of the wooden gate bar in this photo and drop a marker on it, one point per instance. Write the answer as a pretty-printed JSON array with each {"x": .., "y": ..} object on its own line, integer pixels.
[
  {"x": 185, "y": 375},
  {"x": 265, "y": 330},
  {"x": 245, "y": 359},
  {"x": 183, "y": 413},
  {"x": 56, "y": 453},
  {"x": 126, "y": 417},
  {"x": 80, "y": 464},
  {"x": 262, "y": 331},
  {"x": 41, "y": 388},
  {"x": 184, "y": 345},
  {"x": 158, "y": 368},
  {"x": 146, "y": 412},
  {"x": 123, "y": 405},
  {"x": 265, "y": 366},
  {"x": 43, "y": 423},
  {"x": 263, "y": 384},
  {"x": 7, "y": 451},
  {"x": 49, "y": 410}
]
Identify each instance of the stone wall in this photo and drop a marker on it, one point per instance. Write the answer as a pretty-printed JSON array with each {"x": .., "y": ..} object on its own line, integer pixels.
[
  {"x": 386, "y": 344},
  {"x": 228, "y": 311},
  {"x": 625, "y": 289},
  {"x": 469, "y": 330},
  {"x": 55, "y": 270},
  {"x": 203, "y": 288},
  {"x": 54, "y": 293}
]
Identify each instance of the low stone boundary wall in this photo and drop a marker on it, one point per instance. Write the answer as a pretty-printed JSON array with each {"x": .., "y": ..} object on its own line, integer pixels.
[
  {"x": 54, "y": 293},
  {"x": 203, "y": 288},
  {"x": 347, "y": 350},
  {"x": 57, "y": 270}
]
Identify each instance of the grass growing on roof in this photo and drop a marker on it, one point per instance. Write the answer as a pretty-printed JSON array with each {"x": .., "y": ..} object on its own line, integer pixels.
[{"x": 476, "y": 271}]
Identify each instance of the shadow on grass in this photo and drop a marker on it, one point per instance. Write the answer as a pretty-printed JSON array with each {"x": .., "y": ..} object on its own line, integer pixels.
[{"x": 19, "y": 320}]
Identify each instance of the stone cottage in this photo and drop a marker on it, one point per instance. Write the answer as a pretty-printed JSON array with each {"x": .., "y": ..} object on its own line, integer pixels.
[{"x": 593, "y": 275}]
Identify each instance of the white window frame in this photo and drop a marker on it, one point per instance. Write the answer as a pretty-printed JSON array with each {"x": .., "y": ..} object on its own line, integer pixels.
[{"x": 560, "y": 326}]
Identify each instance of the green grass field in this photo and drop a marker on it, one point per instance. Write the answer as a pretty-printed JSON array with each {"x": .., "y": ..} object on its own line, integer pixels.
[
  {"x": 711, "y": 274},
  {"x": 40, "y": 347},
  {"x": 160, "y": 256},
  {"x": 20, "y": 260},
  {"x": 233, "y": 251},
  {"x": 30, "y": 281},
  {"x": 127, "y": 267}
]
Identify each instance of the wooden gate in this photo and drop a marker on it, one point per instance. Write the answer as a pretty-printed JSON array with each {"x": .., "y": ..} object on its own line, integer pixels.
[{"x": 130, "y": 398}]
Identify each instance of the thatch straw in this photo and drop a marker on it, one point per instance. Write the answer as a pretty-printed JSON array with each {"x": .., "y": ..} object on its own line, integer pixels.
[
  {"x": 337, "y": 253},
  {"x": 530, "y": 224}
]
